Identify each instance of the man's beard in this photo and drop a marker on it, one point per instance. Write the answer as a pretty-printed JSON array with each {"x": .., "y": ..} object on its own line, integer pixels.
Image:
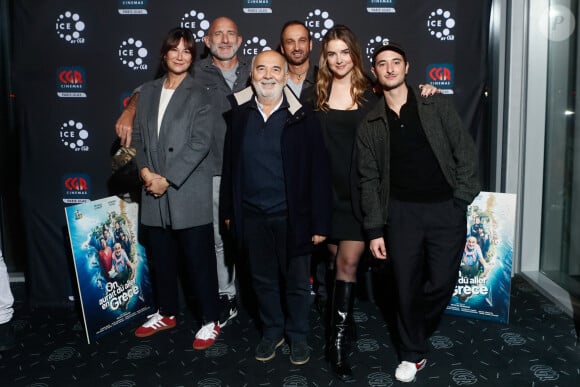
[
  {"x": 290, "y": 59},
  {"x": 215, "y": 52},
  {"x": 273, "y": 93}
]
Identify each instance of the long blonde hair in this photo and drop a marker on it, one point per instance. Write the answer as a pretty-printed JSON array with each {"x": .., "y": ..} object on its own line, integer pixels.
[{"x": 359, "y": 82}]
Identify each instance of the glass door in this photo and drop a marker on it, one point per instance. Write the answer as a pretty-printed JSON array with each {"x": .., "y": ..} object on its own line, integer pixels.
[{"x": 560, "y": 239}]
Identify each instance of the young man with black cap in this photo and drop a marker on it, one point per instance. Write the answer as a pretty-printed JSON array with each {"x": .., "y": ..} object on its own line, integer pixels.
[{"x": 418, "y": 172}]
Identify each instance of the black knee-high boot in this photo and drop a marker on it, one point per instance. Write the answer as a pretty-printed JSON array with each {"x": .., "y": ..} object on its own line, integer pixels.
[{"x": 341, "y": 319}]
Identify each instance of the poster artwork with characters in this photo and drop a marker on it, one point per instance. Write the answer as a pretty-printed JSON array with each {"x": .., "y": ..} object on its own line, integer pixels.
[
  {"x": 483, "y": 285},
  {"x": 110, "y": 264}
]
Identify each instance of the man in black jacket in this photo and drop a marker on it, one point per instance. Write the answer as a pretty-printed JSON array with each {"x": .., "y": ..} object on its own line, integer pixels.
[
  {"x": 276, "y": 199},
  {"x": 418, "y": 173}
]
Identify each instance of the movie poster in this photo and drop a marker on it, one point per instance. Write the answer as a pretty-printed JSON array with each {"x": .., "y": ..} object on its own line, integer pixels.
[
  {"x": 483, "y": 286},
  {"x": 110, "y": 264}
]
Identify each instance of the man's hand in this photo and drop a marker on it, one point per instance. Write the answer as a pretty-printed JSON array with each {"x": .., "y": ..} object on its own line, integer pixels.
[
  {"x": 124, "y": 124},
  {"x": 428, "y": 90},
  {"x": 378, "y": 248},
  {"x": 317, "y": 239}
]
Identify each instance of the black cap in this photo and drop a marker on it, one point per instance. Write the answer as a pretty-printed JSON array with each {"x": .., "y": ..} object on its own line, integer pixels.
[{"x": 385, "y": 45}]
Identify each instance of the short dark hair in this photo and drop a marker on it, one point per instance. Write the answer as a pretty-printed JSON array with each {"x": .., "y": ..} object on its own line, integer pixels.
[
  {"x": 172, "y": 40},
  {"x": 294, "y": 23}
]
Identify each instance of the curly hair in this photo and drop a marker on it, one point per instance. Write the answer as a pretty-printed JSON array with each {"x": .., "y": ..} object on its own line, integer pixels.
[{"x": 359, "y": 80}]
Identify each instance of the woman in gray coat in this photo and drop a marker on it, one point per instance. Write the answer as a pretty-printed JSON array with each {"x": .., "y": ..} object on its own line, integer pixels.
[{"x": 173, "y": 135}]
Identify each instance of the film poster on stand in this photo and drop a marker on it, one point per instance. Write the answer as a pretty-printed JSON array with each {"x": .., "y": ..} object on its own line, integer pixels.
[{"x": 110, "y": 263}]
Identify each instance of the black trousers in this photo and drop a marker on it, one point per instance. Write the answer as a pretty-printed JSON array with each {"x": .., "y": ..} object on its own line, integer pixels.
[
  {"x": 281, "y": 283},
  {"x": 424, "y": 243},
  {"x": 164, "y": 249}
]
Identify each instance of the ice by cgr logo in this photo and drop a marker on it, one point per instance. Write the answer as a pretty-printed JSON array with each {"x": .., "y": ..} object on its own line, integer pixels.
[
  {"x": 372, "y": 43},
  {"x": 318, "y": 22},
  {"x": 132, "y": 54},
  {"x": 196, "y": 22},
  {"x": 440, "y": 24},
  {"x": 73, "y": 135},
  {"x": 254, "y": 46},
  {"x": 69, "y": 27},
  {"x": 70, "y": 82}
]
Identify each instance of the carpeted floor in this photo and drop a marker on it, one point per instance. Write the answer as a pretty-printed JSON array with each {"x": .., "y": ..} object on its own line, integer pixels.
[{"x": 539, "y": 347}]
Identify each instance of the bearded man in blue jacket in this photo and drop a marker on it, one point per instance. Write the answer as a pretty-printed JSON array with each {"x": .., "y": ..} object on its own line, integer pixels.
[{"x": 276, "y": 200}]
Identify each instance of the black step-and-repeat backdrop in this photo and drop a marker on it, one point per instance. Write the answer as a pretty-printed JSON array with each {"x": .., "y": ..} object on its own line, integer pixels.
[{"x": 76, "y": 62}]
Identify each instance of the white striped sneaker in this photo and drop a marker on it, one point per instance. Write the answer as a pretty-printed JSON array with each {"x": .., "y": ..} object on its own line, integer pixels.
[{"x": 154, "y": 324}]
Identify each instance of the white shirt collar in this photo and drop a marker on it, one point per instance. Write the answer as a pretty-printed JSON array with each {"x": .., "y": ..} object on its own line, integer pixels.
[{"x": 261, "y": 110}]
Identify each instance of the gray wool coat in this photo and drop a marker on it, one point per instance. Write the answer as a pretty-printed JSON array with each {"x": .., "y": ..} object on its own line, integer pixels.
[{"x": 179, "y": 153}]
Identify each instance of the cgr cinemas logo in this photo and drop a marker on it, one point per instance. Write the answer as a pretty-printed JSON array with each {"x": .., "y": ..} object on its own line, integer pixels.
[
  {"x": 318, "y": 22},
  {"x": 442, "y": 76},
  {"x": 381, "y": 6},
  {"x": 124, "y": 100},
  {"x": 254, "y": 46},
  {"x": 132, "y": 54},
  {"x": 257, "y": 6},
  {"x": 132, "y": 7},
  {"x": 196, "y": 22},
  {"x": 73, "y": 135},
  {"x": 70, "y": 82},
  {"x": 440, "y": 24},
  {"x": 75, "y": 188},
  {"x": 69, "y": 27}
]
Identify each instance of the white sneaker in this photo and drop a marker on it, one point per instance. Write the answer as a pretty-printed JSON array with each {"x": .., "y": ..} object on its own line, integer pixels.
[
  {"x": 407, "y": 370},
  {"x": 155, "y": 323},
  {"x": 206, "y": 336}
]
